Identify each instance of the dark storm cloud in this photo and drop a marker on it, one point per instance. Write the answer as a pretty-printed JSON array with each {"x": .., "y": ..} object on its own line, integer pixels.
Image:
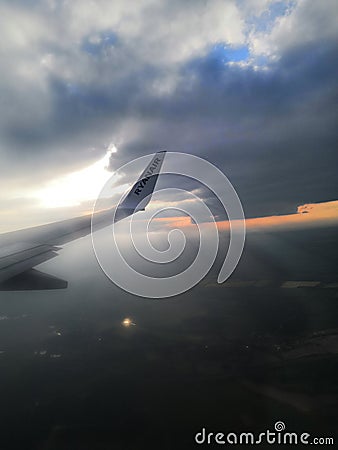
[{"x": 273, "y": 133}]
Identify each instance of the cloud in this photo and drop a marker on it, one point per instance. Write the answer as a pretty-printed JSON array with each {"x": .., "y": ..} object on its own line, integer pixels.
[
  {"x": 303, "y": 23},
  {"x": 146, "y": 76},
  {"x": 307, "y": 216}
]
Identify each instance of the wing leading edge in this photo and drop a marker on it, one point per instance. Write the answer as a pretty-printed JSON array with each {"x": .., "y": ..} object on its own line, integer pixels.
[{"x": 22, "y": 250}]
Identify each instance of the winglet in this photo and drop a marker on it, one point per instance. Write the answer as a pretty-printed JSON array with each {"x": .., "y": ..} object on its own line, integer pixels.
[{"x": 140, "y": 194}]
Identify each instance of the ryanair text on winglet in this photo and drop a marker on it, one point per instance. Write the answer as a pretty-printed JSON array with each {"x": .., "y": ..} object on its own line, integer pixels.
[{"x": 147, "y": 177}]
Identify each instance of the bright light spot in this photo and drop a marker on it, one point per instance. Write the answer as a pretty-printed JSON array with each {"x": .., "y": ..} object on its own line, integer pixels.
[
  {"x": 77, "y": 187},
  {"x": 127, "y": 322}
]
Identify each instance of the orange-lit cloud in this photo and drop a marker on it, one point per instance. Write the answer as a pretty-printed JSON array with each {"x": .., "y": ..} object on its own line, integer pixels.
[{"x": 309, "y": 215}]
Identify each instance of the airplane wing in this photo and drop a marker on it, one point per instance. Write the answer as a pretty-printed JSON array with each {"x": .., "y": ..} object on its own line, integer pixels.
[{"x": 22, "y": 250}]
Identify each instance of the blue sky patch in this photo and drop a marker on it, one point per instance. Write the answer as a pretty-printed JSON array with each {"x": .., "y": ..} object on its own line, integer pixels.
[
  {"x": 266, "y": 20},
  {"x": 225, "y": 53},
  {"x": 94, "y": 45},
  {"x": 213, "y": 66}
]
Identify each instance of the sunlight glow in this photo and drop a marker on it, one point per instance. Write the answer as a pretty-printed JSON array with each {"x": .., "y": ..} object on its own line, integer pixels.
[{"x": 76, "y": 187}]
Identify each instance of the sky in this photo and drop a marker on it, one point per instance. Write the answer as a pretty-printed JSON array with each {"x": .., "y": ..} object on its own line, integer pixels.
[{"x": 251, "y": 86}]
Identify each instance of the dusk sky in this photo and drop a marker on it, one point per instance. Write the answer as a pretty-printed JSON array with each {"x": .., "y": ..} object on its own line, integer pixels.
[{"x": 250, "y": 86}]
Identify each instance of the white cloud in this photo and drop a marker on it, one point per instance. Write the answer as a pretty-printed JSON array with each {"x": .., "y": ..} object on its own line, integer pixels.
[
  {"x": 159, "y": 33},
  {"x": 303, "y": 23},
  {"x": 253, "y": 7},
  {"x": 48, "y": 40}
]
